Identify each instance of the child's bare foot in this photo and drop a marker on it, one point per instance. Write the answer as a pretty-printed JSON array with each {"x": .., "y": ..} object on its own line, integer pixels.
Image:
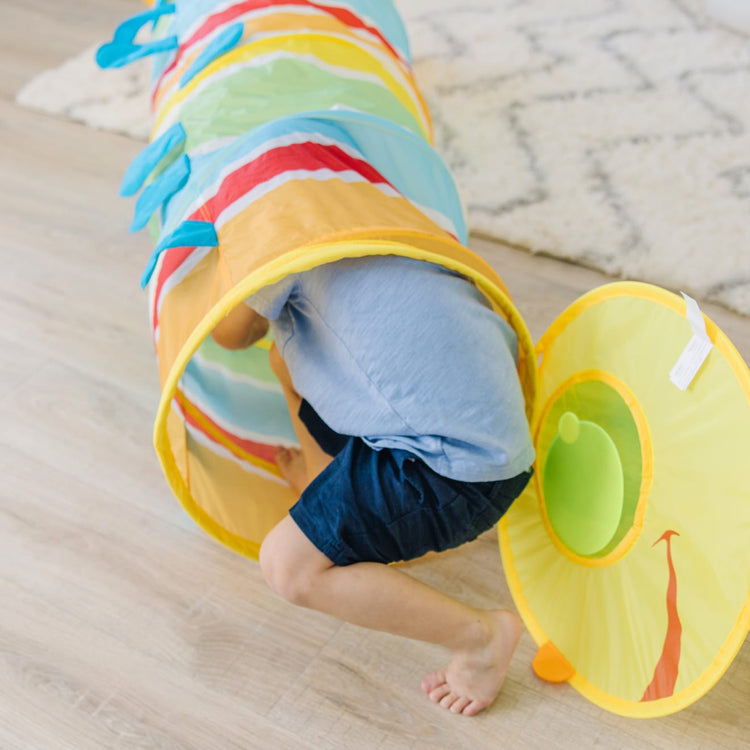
[
  {"x": 292, "y": 465},
  {"x": 474, "y": 677}
]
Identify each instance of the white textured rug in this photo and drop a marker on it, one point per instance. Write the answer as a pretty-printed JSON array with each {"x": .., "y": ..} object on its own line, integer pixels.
[{"x": 615, "y": 133}]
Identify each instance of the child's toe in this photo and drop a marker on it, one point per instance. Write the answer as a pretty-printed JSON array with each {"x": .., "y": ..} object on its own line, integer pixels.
[
  {"x": 459, "y": 706},
  {"x": 439, "y": 693},
  {"x": 432, "y": 681},
  {"x": 449, "y": 700},
  {"x": 474, "y": 708}
]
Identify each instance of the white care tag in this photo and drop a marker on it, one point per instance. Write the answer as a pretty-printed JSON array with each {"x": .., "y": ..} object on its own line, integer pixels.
[{"x": 695, "y": 353}]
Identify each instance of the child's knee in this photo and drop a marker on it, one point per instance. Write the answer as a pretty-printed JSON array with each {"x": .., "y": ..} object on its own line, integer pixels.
[{"x": 287, "y": 580}]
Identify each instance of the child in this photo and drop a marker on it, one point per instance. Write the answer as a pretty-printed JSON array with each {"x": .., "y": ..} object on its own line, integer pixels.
[{"x": 402, "y": 388}]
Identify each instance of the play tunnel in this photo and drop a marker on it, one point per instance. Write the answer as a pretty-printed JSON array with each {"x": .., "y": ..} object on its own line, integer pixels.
[
  {"x": 285, "y": 135},
  {"x": 289, "y": 134}
]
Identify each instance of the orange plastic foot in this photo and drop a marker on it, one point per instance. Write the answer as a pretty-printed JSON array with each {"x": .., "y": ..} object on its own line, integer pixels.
[{"x": 551, "y": 665}]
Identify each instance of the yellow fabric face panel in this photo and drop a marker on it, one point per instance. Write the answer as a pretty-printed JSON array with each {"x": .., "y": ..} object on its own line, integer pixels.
[
  {"x": 336, "y": 53},
  {"x": 614, "y": 622}
]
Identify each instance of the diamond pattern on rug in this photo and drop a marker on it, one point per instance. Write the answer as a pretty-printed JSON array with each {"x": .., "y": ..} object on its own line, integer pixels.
[{"x": 613, "y": 133}]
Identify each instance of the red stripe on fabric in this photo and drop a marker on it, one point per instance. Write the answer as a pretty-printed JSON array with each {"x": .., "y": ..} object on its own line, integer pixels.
[
  {"x": 299, "y": 156},
  {"x": 258, "y": 450},
  {"x": 212, "y": 22},
  {"x": 174, "y": 257}
]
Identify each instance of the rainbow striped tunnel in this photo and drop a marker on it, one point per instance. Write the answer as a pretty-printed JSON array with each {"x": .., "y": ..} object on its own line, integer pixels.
[{"x": 286, "y": 134}]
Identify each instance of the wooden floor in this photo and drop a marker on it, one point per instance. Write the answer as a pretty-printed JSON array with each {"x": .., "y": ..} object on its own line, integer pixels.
[{"x": 123, "y": 625}]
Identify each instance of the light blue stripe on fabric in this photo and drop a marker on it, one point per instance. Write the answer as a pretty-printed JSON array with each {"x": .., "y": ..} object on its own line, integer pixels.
[
  {"x": 388, "y": 21},
  {"x": 239, "y": 405},
  {"x": 173, "y": 179},
  {"x": 145, "y": 163},
  {"x": 407, "y": 161},
  {"x": 191, "y": 12},
  {"x": 222, "y": 43}
]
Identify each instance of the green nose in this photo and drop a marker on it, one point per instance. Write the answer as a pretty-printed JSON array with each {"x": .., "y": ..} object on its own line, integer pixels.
[{"x": 583, "y": 485}]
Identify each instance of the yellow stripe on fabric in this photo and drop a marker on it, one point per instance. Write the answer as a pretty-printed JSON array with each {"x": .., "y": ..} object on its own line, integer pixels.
[
  {"x": 329, "y": 50},
  {"x": 443, "y": 252},
  {"x": 307, "y": 210}
]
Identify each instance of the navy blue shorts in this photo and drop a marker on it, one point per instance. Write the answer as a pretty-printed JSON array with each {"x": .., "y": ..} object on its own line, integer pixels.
[{"x": 387, "y": 505}]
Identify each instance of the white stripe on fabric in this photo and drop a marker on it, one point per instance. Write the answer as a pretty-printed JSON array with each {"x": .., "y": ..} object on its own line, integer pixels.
[
  {"x": 384, "y": 58},
  {"x": 443, "y": 221},
  {"x": 240, "y": 378},
  {"x": 212, "y": 145},
  {"x": 219, "y": 450},
  {"x": 151, "y": 293}
]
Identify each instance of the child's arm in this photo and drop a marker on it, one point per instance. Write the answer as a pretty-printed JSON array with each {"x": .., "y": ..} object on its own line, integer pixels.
[{"x": 241, "y": 328}]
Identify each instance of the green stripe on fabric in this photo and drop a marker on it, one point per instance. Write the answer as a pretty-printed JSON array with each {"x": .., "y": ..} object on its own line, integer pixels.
[
  {"x": 233, "y": 104},
  {"x": 252, "y": 362}
]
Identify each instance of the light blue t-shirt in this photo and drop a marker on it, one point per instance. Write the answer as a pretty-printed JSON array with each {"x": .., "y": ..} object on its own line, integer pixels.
[{"x": 405, "y": 354}]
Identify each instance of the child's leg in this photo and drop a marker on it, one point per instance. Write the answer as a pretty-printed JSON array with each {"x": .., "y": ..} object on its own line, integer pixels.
[{"x": 382, "y": 597}]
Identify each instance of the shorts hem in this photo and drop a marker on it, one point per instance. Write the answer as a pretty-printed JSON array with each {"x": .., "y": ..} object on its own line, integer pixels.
[{"x": 333, "y": 550}]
